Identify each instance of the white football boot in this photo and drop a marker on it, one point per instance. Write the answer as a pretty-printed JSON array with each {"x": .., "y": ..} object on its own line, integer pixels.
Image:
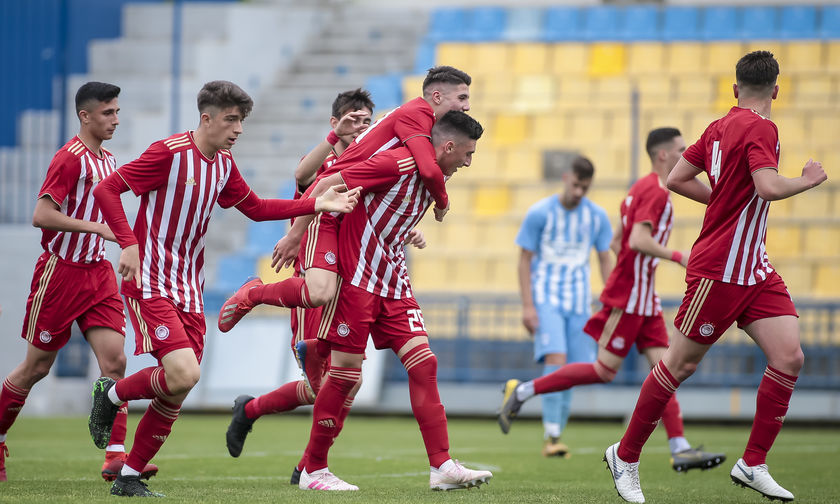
[
  {"x": 452, "y": 475},
  {"x": 758, "y": 478},
  {"x": 323, "y": 479},
  {"x": 625, "y": 476}
]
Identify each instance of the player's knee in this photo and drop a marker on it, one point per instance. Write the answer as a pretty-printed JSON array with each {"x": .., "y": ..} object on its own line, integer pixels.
[
  {"x": 114, "y": 367},
  {"x": 37, "y": 372},
  {"x": 422, "y": 369},
  {"x": 683, "y": 371},
  {"x": 791, "y": 363},
  {"x": 321, "y": 293},
  {"x": 182, "y": 379}
]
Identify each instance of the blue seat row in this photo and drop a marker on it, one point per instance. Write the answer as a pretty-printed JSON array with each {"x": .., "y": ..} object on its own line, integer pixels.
[{"x": 636, "y": 22}]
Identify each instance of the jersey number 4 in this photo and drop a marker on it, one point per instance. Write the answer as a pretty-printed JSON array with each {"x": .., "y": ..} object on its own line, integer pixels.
[
  {"x": 717, "y": 157},
  {"x": 415, "y": 320}
]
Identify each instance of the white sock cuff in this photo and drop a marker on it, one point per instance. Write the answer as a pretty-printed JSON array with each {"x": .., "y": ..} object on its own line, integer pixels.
[
  {"x": 112, "y": 395},
  {"x": 127, "y": 471},
  {"x": 525, "y": 390}
]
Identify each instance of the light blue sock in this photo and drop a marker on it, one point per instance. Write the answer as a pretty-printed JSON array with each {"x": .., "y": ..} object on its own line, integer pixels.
[{"x": 552, "y": 408}]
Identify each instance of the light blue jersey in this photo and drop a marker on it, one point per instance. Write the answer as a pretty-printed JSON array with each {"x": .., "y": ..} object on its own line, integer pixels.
[{"x": 561, "y": 240}]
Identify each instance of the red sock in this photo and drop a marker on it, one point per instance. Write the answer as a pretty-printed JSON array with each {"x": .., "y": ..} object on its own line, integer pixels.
[
  {"x": 771, "y": 406},
  {"x": 348, "y": 403},
  {"x": 421, "y": 365},
  {"x": 323, "y": 348},
  {"x": 672, "y": 418},
  {"x": 119, "y": 428},
  {"x": 147, "y": 383},
  {"x": 286, "y": 398},
  {"x": 577, "y": 373},
  {"x": 656, "y": 391},
  {"x": 327, "y": 414},
  {"x": 152, "y": 431},
  {"x": 288, "y": 293},
  {"x": 12, "y": 399}
]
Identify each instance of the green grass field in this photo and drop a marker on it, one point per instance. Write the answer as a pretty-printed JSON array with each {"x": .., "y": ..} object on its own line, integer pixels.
[{"x": 53, "y": 460}]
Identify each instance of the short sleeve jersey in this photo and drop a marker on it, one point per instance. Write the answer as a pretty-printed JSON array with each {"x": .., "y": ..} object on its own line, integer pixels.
[
  {"x": 631, "y": 283},
  {"x": 372, "y": 237},
  {"x": 71, "y": 177},
  {"x": 178, "y": 187},
  {"x": 731, "y": 246},
  {"x": 561, "y": 240}
]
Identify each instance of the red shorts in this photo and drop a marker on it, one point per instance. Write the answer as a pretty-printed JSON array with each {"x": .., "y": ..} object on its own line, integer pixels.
[
  {"x": 319, "y": 246},
  {"x": 710, "y": 306},
  {"x": 390, "y": 322},
  {"x": 160, "y": 327},
  {"x": 63, "y": 292},
  {"x": 616, "y": 331}
]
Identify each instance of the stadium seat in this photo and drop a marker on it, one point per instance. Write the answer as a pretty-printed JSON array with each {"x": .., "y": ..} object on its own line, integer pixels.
[
  {"x": 697, "y": 123},
  {"x": 601, "y": 22},
  {"x": 486, "y": 165},
  {"x": 798, "y": 22},
  {"x": 534, "y": 93},
  {"x": 524, "y": 23},
  {"x": 530, "y": 58},
  {"x": 460, "y": 234},
  {"x": 670, "y": 280},
  {"x": 425, "y": 57},
  {"x": 784, "y": 240},
  {"x": 607, "y": 198},
  {"x": 684, "y": 207},
  {"x": 262, "y": 236},
  {"x": 685, "y": 230},
  {"x": 812, "y": 92},
  {"x": 524, "y": 196},
  {"x": 499, "y": 235},
  {"x": 448, "y": 24},
  {"x": 428, "y": 271},
  {"x": 719, "y": 23},
  {"x": 827, "y": 280},
  {"x": 267, "y": 273},
  {"x": 521, "y": 164},
  {"x": 832, "y": 59},
  {"x": 562, "y": 23},
  {"x": 793, "y": 131},
  {"x": 816, "y": 203},
  {"x": 759, "y": 23},
  {"x": 824, "y": 129},
  {"x": 680, "y": 23},
  {"x": 233, "y": 270},
  {"x": 491, "y": 201},
  {"x": 460, "y": 196},
  {"x": 694, "y": 91},
  {"x": 822, "y": 240},
  {"x": 549, "y": 129},
  {"x": 614, "y": 93},
  {"x": 504, "y": 275},
  {"x": 492, "y": 93},
  {"x": 684, "y": 58},
  {"x": 485, "y": 23},
  {"x": 468, "y": 273},
  {"x": 587, "y": 127},
  {"x": 654, "y": 91},
  {"x": 645, "y": 58},
  {"x": 801, "y": 56},
  {"x": 797, "y": 274},
  {"x": 725, "y": 99},
  {"x": 385, "y": 90},
  {"x": 606, "y": 59},
  {"x": 490, "y": 58},
  {"x": 455, "y": 54},
  {"x": 412, "y": 86},
  {"x": 830, "y": 22},
  {"x": 509, "y": 129},
  {"x": 568, "y": 59},
  {"x": 640, "y": 22},
  {"x": 722, "y": 57}
]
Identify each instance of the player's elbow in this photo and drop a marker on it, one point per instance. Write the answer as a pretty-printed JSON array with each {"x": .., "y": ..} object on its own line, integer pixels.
[{"x": 767, "y": 193}]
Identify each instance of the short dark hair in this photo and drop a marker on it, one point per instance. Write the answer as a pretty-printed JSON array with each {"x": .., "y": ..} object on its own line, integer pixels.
[
  {"x": 355, "y": 99},
  {"x": 446, "y": 74},
  {"x": 95, "y": 92},
  {"x": 583, "y": 168},
  {"x": 659, "y": 136},
  {"x": 455, "y": 123},
  {"x": 223, "y": 94},
  {"x": 757, "y": 71}
]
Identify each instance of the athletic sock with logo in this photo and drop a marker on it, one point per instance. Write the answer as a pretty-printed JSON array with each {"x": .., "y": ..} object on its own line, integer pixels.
[
  {"x": 286, "y": 398},
  {"x": 12, "y": 399},
  {"x": 672, "y": 419},
  {"x": 326, "y": 415},
  {"x": 656, "y": 391},
  {"x": 151, "y": 432},
  {"x": 147, "y": 383},
  {"x": 421, "y": 365},
  {"x": 771, "y": 406},
  {"x": 289, "y": 293}
]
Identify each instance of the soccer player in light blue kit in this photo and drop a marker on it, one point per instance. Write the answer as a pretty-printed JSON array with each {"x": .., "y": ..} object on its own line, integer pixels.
[{"x": 556, "y": 238}]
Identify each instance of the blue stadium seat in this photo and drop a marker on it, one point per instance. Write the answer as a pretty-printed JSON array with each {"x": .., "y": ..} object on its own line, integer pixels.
[
  {"x": 485, "y": 24},
  {"x": 262, "y": 236},
  {"x": 385, "y": 90},
  {"x": 759, "y": 23},
  {"x": 719, "y": 23},
  {"x": 601, "y": 23},
  {"x": 830, "y": 24},
  {"x": 562, "y": 23},
  {"x": 524, "y": 23},
  {"x": 425, "y": 57},
  {"x": 447, "y": 24},
  {"x": 233, "y": 270},
  {"x": 681, "y": 23},
  {"x": 798, "y": 22},
  {"x": 641, "y": 22}
]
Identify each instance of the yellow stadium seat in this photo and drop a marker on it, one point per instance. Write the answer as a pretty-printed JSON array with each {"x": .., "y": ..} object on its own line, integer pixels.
[
  {"x": 697, "y": 123},
  {"x": 267, "y": 273},
  {"x": 612, "y": 164},
  {"x": 793, "y": 130},
  {"x": 658, "y": 117},
  {"x": 491, "y": 200},
  {"x": 492, "y": 93},
  {"x": 596, "y": 283},
  {"x": 587, "y": 127},
  {"x": 574, "y": 93},
  {"x": 802, "y": 57},
  {"x": 509, "y": 129},
  {"x": 429, "y": 271},
  {"x": 527, "y": 195},
  {"x": 620, "y": 127},
  {"x": 792, "y": 160},
  {"x": 504, "y": 276},
  {"x": 606, "y": 59},
  {"x": 490, "y": 58},
  {"x": 797, "y": 274},
  {"x": 684, "y": 58},
  {"x": 654, "y": 91},
  {"x": 684, "y": 232},
  {"x": 499, "y": 235},
  {"x": 459, "y": 234},
  {"x": 549, "y": 130},
  {"x": 832, "y": 54},
  {"x": 614, "y": 93},
  {"x": 824, "y": 129},
  {"x": 530, "y": 58},
  {"x": 812, "y": 91},
  {"x": 412, "y": 86},
  {"x": 460, "y": 196},
  {"x": 684, "y": 207},
  {"x": 645, "y": 58},
  {"x": 458, "y": 55},
  {"x": 469, "y": 273},
  {"x": 670, "y": 280},
  {"x": 722, "y": 57},
  {"x": 814, "y": 203},
  {"x": 433, "y": 231},
  {"x": 607, "y": 198},
  {"x": 521, "y": 164},
  {"x": 694, "y": 91},
  {"x": 569, "y": 58},
  {"x": 827, "y": 280},
  {"x": 534, "y": 93},
  {"x": 486, "y": 165},
  {"x": 822, "y": 240},
  {"x": 725, "y": 99},
  {"x": 784, "y": 241}
]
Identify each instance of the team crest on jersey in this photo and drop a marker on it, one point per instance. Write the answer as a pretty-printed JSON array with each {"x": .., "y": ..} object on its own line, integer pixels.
[
  {"x": 618, "y": 343},
  {"x": 330, "y": 257},
  {"x": 95, "y": 179},
  {"x": 45, "y": 337},
  {"x": 707, "y": 330},
  {"x": 161, "y": 332},
  {"x": 190, "y": 181},
  {"x": 343, "y": 330},
  {"x": 220, "y": 185}
]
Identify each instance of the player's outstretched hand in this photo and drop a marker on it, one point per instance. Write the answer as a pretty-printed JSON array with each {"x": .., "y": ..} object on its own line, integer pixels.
[
  {"x": 415, "y": 237},
  {"x": 129, "y": 266},
  {"x": 813, "y": 173},
  {"x": 285, "y": 252},
  {"x": 530, "y": 319},
  {"x": 440, "y": 212},
  {"x": 352, "y": 123},
  {"x": 338, "y": 199}
]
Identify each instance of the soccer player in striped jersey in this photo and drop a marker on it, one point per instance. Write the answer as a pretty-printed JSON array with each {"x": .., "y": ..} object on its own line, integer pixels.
[
  {"x": 73, "y": 281},
  {"x": 179, "y": 180},
  {"x": 729, "y": 277},
  {"x": 375, "y": 298},
  {"x": 445, "y": 88},
  {"x": 555, "y": 239},
  {"x": 631, "y": 312}
]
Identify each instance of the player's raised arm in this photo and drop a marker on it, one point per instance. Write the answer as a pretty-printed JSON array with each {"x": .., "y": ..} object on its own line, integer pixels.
[
  {"x": 352, "y": 123},
  {"x": 771, "y": 186},
  {"x": 683, "y": 180}
]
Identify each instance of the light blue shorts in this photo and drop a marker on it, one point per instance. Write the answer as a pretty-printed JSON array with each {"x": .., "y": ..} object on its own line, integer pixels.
[{"x": 563, "y": 333}]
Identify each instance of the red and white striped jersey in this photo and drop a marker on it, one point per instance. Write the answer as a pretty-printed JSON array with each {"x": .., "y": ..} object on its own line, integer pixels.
[
  {"x": 372, "y": 238},
  {"x": 178, "y": 188},
  {"x": 631, "y": 283},
  {"x": 73, "y": 173},
  {"x": 731, "y": 246}
]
